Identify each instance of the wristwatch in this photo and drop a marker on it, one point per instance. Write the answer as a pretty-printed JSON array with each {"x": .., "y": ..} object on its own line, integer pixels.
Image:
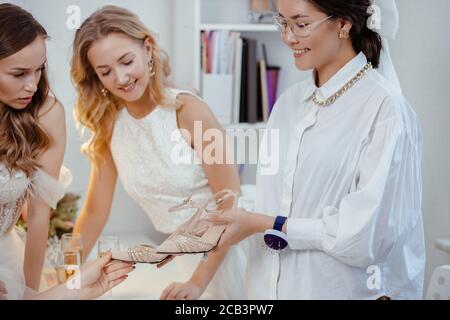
[{"x": 275, "y": 238}]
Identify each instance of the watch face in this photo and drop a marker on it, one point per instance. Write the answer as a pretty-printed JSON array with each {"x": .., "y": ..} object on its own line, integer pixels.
[{"x": 274, "y": 241}]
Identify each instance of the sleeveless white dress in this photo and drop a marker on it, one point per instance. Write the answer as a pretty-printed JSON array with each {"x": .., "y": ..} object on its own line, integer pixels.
[
  {"x": 15, "y": 188},
  {"x": 159, "y": 169}
]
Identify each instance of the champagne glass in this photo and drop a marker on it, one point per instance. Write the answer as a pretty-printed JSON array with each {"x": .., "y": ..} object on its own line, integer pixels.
[
  {"x": 107, "y": 244},
  {"x": 71, "y": 242},
  {"x": 68, "y": 263}
]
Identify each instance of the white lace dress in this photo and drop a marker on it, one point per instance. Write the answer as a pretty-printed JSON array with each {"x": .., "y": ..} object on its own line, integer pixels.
[
  {"x": 158, "y": 169},
  {"x": 15, "y": 188}
]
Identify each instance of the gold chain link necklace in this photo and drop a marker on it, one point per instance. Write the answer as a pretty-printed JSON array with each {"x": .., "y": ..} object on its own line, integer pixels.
[{"x": 345, "y": 88}]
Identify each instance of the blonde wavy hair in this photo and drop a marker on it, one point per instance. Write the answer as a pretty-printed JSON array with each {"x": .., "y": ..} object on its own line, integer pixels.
[
  {"x": 22, "y": 139},
  {"x": 93, "y": 110}
]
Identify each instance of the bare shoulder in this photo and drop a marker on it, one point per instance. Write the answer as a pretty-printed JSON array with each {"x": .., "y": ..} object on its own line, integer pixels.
[
  {"x": 194, "y": 109},
  {"x": 52, "y": 117}
]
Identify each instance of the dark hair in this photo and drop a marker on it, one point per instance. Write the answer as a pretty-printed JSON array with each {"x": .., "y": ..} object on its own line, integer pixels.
[
  {"x": 22, "y": 139},
  {"x": 355, "y": 11}
]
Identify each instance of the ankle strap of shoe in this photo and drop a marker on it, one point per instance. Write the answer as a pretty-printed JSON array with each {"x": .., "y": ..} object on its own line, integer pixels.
[
  {"x": 186, "y": 204},
  {"x": 219, "y": 198}
]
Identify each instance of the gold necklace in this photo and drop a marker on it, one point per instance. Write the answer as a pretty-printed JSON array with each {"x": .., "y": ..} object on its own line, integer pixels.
[{"x": 345, "y": 88}]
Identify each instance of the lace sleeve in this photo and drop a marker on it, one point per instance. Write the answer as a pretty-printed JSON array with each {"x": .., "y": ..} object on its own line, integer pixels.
[{"x": 49, "y": 189}]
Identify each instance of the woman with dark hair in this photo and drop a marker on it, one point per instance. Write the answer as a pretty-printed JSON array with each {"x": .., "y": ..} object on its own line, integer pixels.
[
  {"x": 32, "y": 144},
  {"x": 346, "y": 202}
]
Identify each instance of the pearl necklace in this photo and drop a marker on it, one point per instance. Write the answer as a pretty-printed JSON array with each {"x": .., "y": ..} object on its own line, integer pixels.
[{"x": 344, "y": 89}]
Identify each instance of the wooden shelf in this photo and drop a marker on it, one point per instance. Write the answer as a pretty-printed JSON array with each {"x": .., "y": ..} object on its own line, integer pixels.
[
  {"x": 239, "y": 27},
  {"x": 245, "y": 126}
]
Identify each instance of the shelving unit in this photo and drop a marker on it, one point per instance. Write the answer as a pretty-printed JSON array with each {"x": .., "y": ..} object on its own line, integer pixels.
[
  {"x": 194, "y": 16},
  {"x": 239, "y": 27}
]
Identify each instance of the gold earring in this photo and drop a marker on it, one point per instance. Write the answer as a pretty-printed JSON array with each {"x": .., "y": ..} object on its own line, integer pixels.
[
  {"x": 150, "y": 68},
  {"x": 104, "y": 92},
  {"x": 343, "y": 34}
]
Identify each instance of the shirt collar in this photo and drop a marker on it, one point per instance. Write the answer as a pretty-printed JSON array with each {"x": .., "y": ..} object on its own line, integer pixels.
[{"x": 345, "y": 74}]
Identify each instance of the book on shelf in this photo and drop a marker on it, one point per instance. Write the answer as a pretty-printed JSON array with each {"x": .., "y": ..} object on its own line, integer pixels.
[
  {"x": 237, "y": 83},
  {"x": 251, "y": 102},
  {"x": 237, "y": 76},
  {"x": 272, "y": 73},
  {"x": 271, "y": 78},
  {"x": 217, "y": 55},
  {"x": 243, "y": 81},
  {"x": 264, "y": 92}
]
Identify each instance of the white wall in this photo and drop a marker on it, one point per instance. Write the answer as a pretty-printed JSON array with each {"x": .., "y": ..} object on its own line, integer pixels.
[{"x": 421, "y": 54}]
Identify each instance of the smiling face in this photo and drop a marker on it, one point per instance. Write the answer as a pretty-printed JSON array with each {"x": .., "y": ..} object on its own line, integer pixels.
[
  {"x": 20, "y": 74},
  {"x": 322, "y": 46},
  {"x": 122, "y": 65}
]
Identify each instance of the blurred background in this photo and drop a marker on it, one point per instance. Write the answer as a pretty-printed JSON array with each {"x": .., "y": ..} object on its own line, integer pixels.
[{"x": 420, "y": 53}]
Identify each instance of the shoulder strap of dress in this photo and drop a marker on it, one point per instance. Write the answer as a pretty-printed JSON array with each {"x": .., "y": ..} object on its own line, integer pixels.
[{"x": 174, "y": 93}]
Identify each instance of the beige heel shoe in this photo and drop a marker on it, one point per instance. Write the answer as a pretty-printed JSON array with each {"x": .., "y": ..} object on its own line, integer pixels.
[
  {"x": 140, "y": 254},
  {"x": 198, "y": 236}
]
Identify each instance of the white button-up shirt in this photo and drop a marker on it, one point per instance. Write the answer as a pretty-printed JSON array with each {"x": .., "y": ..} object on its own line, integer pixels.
[{"x": 349, "y": 181}]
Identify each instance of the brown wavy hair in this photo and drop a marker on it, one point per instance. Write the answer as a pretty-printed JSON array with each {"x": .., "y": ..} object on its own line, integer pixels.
[
  {"x": 93, "y": 110},
  {"x": 22, "y": 139}
]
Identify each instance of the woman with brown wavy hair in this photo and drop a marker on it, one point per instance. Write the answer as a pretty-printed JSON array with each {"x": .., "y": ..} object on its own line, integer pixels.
[
  {"x": 32, "y": 144},
  {"x": 137, "y": 123}
]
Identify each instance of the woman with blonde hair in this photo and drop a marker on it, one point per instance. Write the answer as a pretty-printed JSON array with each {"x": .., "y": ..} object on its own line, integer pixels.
[
  {"x": 32, "y": 144},
  {"x": 137, "y": 123}
]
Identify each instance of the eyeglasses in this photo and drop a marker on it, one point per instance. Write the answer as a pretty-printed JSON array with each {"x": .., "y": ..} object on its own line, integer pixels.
[{"x": 299, "y": 29}]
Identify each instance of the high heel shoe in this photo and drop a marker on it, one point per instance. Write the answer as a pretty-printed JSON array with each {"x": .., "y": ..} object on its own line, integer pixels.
[
  {"x": 196, "y": 235},
  {"x": 140, "y": 254}
]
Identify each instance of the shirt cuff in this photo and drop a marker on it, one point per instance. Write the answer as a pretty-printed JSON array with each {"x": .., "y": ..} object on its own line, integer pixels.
[{"x": 304, "y": 234}]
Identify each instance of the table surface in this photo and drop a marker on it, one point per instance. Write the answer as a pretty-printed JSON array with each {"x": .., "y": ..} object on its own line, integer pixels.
[{"x": 146, "y": 282}]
